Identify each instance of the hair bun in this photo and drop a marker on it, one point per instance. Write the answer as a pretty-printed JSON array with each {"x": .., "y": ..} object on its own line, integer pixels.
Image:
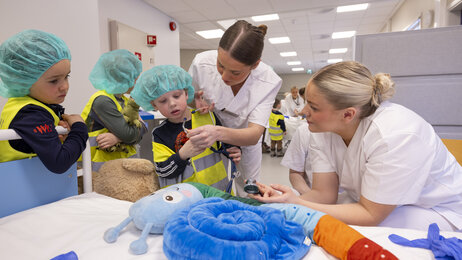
[
  {"x": 383, "y": 88},
  {"x": 263, "y": 28}
]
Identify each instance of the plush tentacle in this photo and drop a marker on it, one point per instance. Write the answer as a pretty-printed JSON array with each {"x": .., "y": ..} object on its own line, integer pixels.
[
  {"x": 110, "y": 236},
  {"x": 344, "y": 242},
  {"x": 140, "y": 246}
]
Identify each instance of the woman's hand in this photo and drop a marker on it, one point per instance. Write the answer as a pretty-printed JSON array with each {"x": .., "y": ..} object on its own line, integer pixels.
[
  {"x": 107, "y": 140},
  {"x": 275, "y": 193},
  {"x": 203, "y": 136},
  {"x": 201, "y": 105},
  {"x": 189, "y": 150},
  {"x": 235, "y": 154}
]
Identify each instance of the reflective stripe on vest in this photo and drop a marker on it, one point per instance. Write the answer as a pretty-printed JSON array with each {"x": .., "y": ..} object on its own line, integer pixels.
[
  {"x": 11, "y": 108},
  {"x": 98, "y": 157}
]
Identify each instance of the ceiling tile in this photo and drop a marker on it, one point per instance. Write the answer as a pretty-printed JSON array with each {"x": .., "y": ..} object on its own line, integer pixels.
[{"x": 308, "y": 23}]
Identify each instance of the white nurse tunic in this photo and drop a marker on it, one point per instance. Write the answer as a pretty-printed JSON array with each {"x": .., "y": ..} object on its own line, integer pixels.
[
  {"x": 253, "y": 103},
  {"x": 292, "y": 104},
  {"x": 395, "y": 158},
  {"x": 296, "y": 156}
]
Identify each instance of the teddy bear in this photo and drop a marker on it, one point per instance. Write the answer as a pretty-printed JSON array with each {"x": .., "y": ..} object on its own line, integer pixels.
[
  {"x": 131, "y": 116},
  {"x": 126, "y": 179}
]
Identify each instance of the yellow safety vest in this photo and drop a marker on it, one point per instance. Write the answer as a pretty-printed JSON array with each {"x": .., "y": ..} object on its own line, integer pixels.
[
  {"x": 11, "y": 108},
  {"x": 206, "y": 168},
  {"x": 99, "y": 157},
  {"x": 275, "y": 130}
]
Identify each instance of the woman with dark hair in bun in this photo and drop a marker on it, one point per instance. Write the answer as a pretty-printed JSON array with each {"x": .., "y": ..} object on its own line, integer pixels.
[
  {"x": 234, "y": 83},
  {"x": 387, "y": 158}
]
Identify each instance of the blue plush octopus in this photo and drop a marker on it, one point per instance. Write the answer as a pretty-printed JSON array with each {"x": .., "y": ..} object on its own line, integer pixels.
[{"x": 201, "y": 222}]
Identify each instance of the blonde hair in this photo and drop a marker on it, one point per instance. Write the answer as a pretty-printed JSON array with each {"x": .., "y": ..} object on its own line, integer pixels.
[{"x": 351, "y": 84}]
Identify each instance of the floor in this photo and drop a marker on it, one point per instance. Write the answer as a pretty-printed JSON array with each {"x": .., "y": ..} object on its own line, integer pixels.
[{"x": 273, "y": 172}]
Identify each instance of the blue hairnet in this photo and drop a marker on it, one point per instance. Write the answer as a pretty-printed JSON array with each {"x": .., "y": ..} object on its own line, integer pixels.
[
  {"x": 24, "y": 57},
  {"x": 159, "y": 80},
  {"x": 116, "y": 71}
]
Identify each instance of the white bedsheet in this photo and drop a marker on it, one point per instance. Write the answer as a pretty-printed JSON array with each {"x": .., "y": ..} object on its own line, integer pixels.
[{"x": 78, "y": 224}]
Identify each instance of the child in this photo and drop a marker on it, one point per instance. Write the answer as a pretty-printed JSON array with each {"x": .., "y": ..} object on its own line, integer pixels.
[
  {"x": 114, "y": 74},
  {"x": 277, "y": 129},
  {"x": 34, "y": 72},
  {"x": 168, "y": 89}
]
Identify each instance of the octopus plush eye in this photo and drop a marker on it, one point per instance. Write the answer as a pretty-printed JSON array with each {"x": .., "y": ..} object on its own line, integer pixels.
[{"x": 172, "y": 197}]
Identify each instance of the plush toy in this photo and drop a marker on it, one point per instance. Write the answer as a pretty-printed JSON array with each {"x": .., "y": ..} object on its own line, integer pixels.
[
  {"x": 158, "y": 213},
  {"x": 131, "y": 113},
  {"x": 126, "y": 179},
  {"x": 131, "y": 116}
]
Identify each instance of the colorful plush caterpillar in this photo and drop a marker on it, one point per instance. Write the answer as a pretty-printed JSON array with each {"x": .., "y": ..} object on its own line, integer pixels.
[{"x": 151, "y": 214}]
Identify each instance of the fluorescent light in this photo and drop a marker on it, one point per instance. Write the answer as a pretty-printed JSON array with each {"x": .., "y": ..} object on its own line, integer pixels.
[
  {"x": 277, "y": 40},
  {"x": 298, "y": 69},
  {"x": 346, "y": 34},
  {"x": 334, "y": 60},
  {"x": 227, "y": 23},
  {"x": 288, "y": 54},
  {"x": 211, "y": 34},
  {"x": 339, "y": 50},
  {"x": 290, "y": 63},
  {"x": 266, "y": 17},
  {"x": 351, "y": 8}
]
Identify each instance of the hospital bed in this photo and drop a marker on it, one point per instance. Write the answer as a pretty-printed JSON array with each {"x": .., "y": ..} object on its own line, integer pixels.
[{"x": 77, "y": 223}]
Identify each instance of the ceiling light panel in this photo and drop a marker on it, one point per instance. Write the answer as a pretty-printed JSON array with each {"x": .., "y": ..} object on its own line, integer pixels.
[
  {"x": 298, "y": 69},
  {"x": 288, "y": 54},
  {"x": 266, "y": 17},
  {"x": 226, "y": 23},
  {"x": 352, "y": 8},
  {"x": 292, "y": 63},
  {"x": 340, "y": 35},
  {"x": 278, "y": 40},
  {"x": 334, "y": 60},
  {"x": 211, "y": 34},
  {"x": 339, "y": 50}
]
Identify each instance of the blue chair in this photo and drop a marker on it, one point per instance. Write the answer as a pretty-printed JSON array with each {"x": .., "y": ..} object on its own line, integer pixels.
[{"x": 27, "y": 183}]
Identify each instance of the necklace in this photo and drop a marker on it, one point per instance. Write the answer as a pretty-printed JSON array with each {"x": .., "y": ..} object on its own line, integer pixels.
[{"x": 296, "y": 101}]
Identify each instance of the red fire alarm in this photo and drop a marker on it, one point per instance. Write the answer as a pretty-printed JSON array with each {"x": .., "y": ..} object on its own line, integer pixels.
[
  {"x": 151, "y": 40},
  {"x": 138, "y": 55},
  {"x": 172, "y": 26}
]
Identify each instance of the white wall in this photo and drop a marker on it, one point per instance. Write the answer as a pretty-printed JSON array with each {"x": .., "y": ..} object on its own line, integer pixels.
[
  {"x": 411, "y": 10},
  {"x": 83, "y": 26},
  {"x": 139, "y": 15},
  {"x": 74, "y": 22},
  {"x": 296, "y": 79}
]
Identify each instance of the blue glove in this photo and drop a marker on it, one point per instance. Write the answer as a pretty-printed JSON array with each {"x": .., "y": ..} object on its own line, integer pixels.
[
  {"x": 442, "y": 248},
  {"x": 67, "y": 256}
]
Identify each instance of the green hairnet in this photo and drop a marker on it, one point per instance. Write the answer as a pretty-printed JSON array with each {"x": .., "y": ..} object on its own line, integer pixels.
[
  {"x": 159, "y": 80},
  {"x": 24, "y": 57},
  {"x": 116, "y": 71}
]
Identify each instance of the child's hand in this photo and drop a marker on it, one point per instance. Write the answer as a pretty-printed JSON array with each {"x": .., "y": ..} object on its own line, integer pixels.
[
  {"x": 71, "y": 119},
  {"x": 65, "y": 125},
  {"x": 201, "y": 105},
  {"x": 235, "y": 154},
  {"x": 189, "y": 150},
  {"x": 107, "y": 140}
]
